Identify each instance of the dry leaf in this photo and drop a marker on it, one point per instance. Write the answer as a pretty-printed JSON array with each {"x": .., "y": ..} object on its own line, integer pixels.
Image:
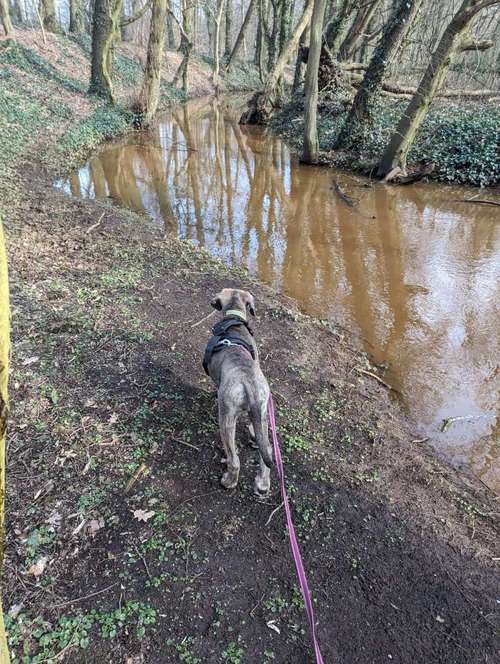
[
  {"x": 14, "y": 610},
  {"x": 95, "y": 525},
  {"x": 113, "y": 419},
  {"x": 54, "y": 519},
  {"x": 30, "y": 360},
  {"x": 272, "y": 625},
  {"x": 142, "y": 515},
  {"x": 38, "y": 568},
  {"x": 90, "y": 403}
]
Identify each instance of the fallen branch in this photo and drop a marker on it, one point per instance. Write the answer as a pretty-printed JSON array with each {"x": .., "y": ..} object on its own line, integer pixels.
[
  {"x": 397, "y": 89},
  {"x": 478, "y": 201},
  {"x": 135, "y": 477},
  {"x": 94, "y": 226},
  {"x": 350, "y": 202}
]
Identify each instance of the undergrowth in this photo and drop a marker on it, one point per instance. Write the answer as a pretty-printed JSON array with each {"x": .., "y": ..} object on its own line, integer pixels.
[{"x": 462, "y": 142}]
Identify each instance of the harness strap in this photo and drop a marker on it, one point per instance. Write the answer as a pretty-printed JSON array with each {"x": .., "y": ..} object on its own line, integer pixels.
[{"x": 222, "y": 338}]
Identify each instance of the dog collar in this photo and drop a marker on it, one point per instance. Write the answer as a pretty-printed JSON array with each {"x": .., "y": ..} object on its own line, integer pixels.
[{"x": 230, "y": 313}]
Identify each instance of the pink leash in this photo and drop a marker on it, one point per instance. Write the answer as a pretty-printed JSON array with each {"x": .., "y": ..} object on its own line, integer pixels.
[{"x": 294, "y": 545}]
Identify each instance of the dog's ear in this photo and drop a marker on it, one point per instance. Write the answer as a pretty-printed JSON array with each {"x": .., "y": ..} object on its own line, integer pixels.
[
  {"x": 216, "y": 303},
  {"x": 250, "y": 302}
]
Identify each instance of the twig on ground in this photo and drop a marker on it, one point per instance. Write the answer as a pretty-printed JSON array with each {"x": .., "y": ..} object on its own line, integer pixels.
[
  {"x": 258, "y": 604},
  {"x": 183, "y": 442},
  {"x": 450, "y": 420},
  {"x": 273, "y": 513},
  {"x": 135, "y": 477},
  {"x": 143, "y": 561},
  {"x": 204, "y": 319},
  {"x": 98, "y": 223},
  {"x": 377, "y": 378},
  {"x": 80, "y": 599}
]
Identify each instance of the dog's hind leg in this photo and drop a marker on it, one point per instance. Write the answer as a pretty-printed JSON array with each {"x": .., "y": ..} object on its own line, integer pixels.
[
  {"x": 260, "y": 425},
  {"x": 227, "y": 425}
]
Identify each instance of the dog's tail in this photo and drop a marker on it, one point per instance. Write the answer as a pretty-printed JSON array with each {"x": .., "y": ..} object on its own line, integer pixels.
[{"x": 260, "y": 427}]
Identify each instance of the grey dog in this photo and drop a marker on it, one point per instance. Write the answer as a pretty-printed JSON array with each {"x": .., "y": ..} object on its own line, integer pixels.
[{"x": 232, "y": 361}]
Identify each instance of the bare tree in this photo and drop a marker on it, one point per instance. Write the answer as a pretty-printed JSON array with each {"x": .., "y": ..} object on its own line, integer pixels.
[
  {"x": 48, "y": 11},
  {"x": 310, "y": 151},
  {"x": 356, "y": 32},
  {"x": 228, "y": 25},
  {"x": 76, "y": 16},
  {"x": 150, "y": 93},
  {"x": 455, "y": 39},
  {"x": 5, "y": 18},
  {"x": 359, "y": 118},
  {"x": 241, "y": 34}
]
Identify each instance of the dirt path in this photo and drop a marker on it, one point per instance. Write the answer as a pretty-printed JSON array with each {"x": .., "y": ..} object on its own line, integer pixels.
[{"x": 122, "y": 546}]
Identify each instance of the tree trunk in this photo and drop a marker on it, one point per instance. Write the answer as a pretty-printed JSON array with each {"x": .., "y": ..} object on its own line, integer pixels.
[
  {"x": 300, "y": 63},
  {"x": 262, "y": 103},
  {"x": 150, "y": 94},
  {"x": 310, "y": 152},
  {"x": 104, "y": 27},
  {"x": 335, "y": 31},
  {"x": 216, "y": 72},
  {"x": 454, "y": 37},
  {"x": 49, "y": 16},
  {"x": 356, "y": 32},
  {"x": 76, "y": 24},
  {"x": 241, "y": 33},
  {"x": 359, "y": 119},
  {"x": 228, "y": 26},
  {"x": 4, "y": 411},
  {"x": 170, "y": 30},
  {"x": 5, "y": 18}
]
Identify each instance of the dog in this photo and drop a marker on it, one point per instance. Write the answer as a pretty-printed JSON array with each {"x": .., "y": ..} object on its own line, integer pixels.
[{"x": 232, "y": 362}]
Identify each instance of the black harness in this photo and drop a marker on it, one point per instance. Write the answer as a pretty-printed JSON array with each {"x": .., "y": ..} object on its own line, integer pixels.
[{"x": 222, "y": 338}]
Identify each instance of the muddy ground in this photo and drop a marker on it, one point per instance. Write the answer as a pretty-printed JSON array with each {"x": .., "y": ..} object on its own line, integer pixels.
[{"x": 121, "y": 544}]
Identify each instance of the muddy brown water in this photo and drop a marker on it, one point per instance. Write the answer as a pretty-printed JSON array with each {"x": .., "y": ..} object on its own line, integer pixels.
[{"x": 414, "y": 271}]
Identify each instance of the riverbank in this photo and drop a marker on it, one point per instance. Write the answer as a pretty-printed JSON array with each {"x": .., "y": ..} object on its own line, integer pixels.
[
  {"x": 120, "y": 539},
  {"x": 459, "y": 138}
]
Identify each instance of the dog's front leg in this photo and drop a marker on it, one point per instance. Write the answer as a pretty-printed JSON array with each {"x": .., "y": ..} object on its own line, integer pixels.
[{"x": 227, "y": 425}]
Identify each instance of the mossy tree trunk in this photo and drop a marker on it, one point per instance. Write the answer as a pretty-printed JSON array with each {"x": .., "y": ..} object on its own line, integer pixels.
[
  {"x": 170, "y": 30},
  {"x": 5, "y": 18},
  {"x": 150, "y": 94},
  {"x": 454, "y": 40},
  {"x": 359, "y": 118},
  {"x": 4, "y": 411},
  {"x": 48, "y": 12},
  {"x": 228, "y": 28},
  {"x": 105, "y": 26},
  {"x": 310, "y": 151},
  {"x": 76, "y": 17},
  {"x": 300, "y": 63},
  {"x": 336, "y": 29}
]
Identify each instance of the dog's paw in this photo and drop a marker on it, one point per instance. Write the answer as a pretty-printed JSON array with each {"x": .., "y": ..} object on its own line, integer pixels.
[
  {"x": 261, "y": 487},
  {"x": 229, "y": 481}
]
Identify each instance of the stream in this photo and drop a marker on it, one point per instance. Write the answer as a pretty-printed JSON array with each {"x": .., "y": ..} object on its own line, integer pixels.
[{"x": 413, "y": 271}]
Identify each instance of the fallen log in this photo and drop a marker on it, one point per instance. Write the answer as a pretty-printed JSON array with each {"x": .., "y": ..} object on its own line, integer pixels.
[{"x": 397, "y": 89}]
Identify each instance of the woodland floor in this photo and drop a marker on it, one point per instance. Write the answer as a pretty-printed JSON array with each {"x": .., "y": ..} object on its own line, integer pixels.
[{"x": 121, "y": 544}]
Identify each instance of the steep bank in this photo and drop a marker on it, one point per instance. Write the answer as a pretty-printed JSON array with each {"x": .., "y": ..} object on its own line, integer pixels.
[{"x": 120, "y": 542}]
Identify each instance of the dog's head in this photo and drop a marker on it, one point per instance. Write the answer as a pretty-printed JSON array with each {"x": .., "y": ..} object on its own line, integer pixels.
[{"x": 233, "y": 298}]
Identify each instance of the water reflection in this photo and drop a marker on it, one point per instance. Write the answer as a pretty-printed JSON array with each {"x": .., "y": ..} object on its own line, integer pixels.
[{"x": 415, "y": 272}]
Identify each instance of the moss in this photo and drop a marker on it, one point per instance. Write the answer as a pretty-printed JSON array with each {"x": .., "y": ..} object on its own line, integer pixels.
[{"x": 104, "y": 123}]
